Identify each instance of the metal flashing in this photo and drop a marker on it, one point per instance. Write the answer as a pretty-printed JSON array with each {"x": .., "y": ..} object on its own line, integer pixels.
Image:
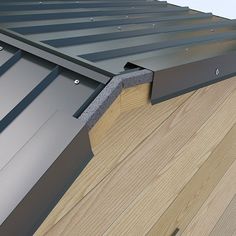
[
  {"x": 40, "y": 173},
  {"x": 63, "y": 63},
  {"x": 55, "y": 56},
  {"x": 95, "y": 33},
  {"x": 40, "y": 138},
  {"x": 188, "y": 68}
]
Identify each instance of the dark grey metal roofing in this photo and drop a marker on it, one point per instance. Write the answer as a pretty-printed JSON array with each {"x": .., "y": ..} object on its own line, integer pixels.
[
  {"x": 56, "y": 56},
  {"x": 41, "y": 97},
  {"x": 28, "y": 76},
  {"x": 107, "y": 34}
]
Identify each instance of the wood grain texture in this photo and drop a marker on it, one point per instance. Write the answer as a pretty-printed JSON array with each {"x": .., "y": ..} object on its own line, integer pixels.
[
  {"x": 227, "y": 224},
  {"x": 98, "y": 132},
  {"x": 138, "y": 175},
  {"x": 132, "y": 128},
  {"x": 211, "y": 211},
  {"x": 141, "y": 214},
  {"x": 194, "y": 194},
  {"x": 134, "y": 97},
  {"x": 128, "y": 100}
]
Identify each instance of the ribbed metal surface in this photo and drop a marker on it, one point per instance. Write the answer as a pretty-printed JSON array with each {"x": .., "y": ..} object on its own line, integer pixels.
[
  {"x": 107, "y": 34},
  {"x": 25, "y": 77},
  {"x": 40, "y": 101},
  {"x": 56, "y": 56}
]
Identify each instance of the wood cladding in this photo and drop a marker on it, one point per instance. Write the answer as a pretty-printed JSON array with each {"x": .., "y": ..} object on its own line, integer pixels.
[{"x": 156, "y": 169}]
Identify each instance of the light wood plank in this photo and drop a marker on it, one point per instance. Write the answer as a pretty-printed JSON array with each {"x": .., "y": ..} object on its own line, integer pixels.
[
  {"x": 140, "y": 216},
  {"x": 134, "y": 97},
  {"x": 188, "y": 202},
  {"x": 132, "y": 128},
  {"x": 101, "y": 207},
  {"x": 98, "y": 132},
  {"x": 211, "y": 211},
  {"x": 128, "y": 100},
  {"x": 226, "y": 226}
]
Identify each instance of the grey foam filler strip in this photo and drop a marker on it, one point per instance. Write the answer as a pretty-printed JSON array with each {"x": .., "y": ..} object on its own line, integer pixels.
[{"x": 112, "y": 90}]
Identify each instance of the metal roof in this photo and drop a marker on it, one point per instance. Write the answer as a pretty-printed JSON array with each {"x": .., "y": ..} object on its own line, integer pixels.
[
  {"x": 29, "y": 76},
  {"x": 56, "y": 57},
  {"x": 109, "y": 34},
  {"x": 41, "y": 97}
]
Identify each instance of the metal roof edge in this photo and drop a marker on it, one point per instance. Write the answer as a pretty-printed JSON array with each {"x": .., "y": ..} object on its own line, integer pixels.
[
  {"x": 78, "y": 65},
  {"x": 45, "y": 173}
]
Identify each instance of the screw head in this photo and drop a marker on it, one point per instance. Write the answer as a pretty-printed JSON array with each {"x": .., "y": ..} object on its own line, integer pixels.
[
  {"x": 76, "y": 82},
  {"x": 217, "y": 72},
  {"x": 119, "y": 28},
  {"x": 1, "y": 48},
  {"x": 91, "y": 19}
]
